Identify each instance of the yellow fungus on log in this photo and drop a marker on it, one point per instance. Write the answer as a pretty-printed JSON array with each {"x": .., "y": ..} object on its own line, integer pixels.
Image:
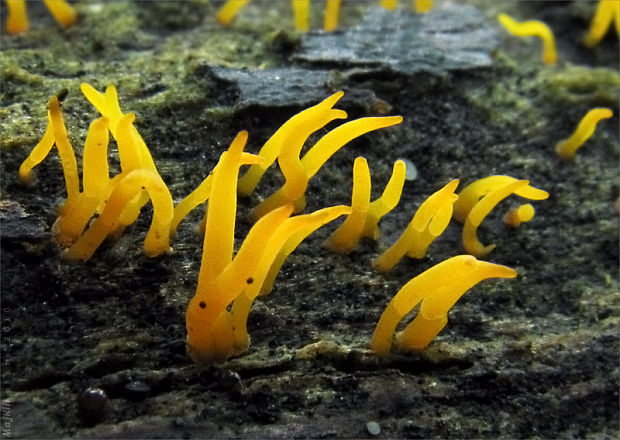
[
  {"x": 229, "y": 10},
  {"x": 567, "y": 148},
  {"x": 298, "y": 172},
  {"x": 62, "y": 11},
  {"x": 472, "y": 193},
  {"x": 522, "y": 214},
  {"x": 364, "y": 218},
  {"x": 112, "y": 204},
  {"x": 17, "y": 20},
  {"x": 390, "y": 5},
  {"x": 216, "y": 331},
  {"x": 332, "y": 9},
  {"x": 428, "y": 223},
  {"x": 606, "y": 12},
  {"x": 532, "y": 28},
  {"x": 477, "y": 200},
  {"x": 292, "y": 133},
  {"x": 437, "y": 289},
  {"x": 301, "y": 13},
  {"x": 422, "y": 6}
]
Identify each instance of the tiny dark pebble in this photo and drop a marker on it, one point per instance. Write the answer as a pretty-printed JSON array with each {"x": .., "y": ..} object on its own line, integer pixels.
[
  {"x": 137, "y": 390},
  {"x": 229, "y": 379},
  {"x": 93, "y": 402}
]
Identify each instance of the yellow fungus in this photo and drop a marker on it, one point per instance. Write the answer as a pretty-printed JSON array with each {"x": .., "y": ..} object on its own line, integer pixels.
[
  {"x": 301, "y": 12},
  {"x": 229, "y": 10},
  {"x": 364, "y": 218},
  {"x": 128, "y": 187},
  {"x": 567, "y": 148},
  {"x": 105, "y": 206},
  {"x": 515, "y": 216},
  {"x": 472, "y": 193},
  {"x": 390, "y": 5},
  {"x": 532, "y": 28},
  {"x": 211, "y": 327},
  {"x": 298, "y": 172},
  {"x": 62, "y": 11},
  {"x": 428, "y": 223},
  {"x": 293, "y": 133},
  {"x": 479, "y": 198},
  {"x": 437, "y": 289},
  {"x": 606, "y": 12},
  {"x": 332, "y": 8},
  {"x": 422, "y": 6},
  {"x": 17, "y": 20}
]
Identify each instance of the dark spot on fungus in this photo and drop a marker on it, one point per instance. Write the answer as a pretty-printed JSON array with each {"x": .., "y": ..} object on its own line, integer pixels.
[
  {"x": 249, "y": 280},
  {"x": 202, "y": 305}
]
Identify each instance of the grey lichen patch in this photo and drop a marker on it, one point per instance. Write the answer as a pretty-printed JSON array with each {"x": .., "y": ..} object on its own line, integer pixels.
[{"x": 452, "y": 37}]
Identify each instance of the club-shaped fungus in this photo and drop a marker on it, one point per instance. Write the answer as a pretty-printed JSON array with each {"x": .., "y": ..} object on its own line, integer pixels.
[
  {"x": 428, "y": 223},
  {"x": 112, "y": 204},
  {"x": 17, "y": 20},
  {"x": 606, "y": 12},
  {"x": 365, "y": 215},
  {"x": 567, "y": 148},
  {"x": 477, "y": 200},
  {"x": 437, "y": 290},
  {"x": 521, "y": 214},
  {"x": 286, "y": 145},
  {"x": 216, "y": 316},
  {"x": 532, "y": 28}
]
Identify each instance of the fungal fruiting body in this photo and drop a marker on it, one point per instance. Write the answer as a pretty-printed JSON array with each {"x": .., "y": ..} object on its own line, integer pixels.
[
  {"x": 332, "y": 9},
  {"x": 567, "y": 148},
  {"x": 105, "y": 206},
  {"x": 532, "y": 28},
  {"x": 428, "y": 223},
  {"x": 437, "y": 289},
  {"x": 216, "y": 330},
  {"x": 606, "y": 12},
  {"x": 294, "y": 131},
  {"x": 298, "y": 171},
  {"x": 478, "y": 199},
  {"x": 390, "y": 5},
  {"x": 522, "y": 214},
  {"x": 229, "y": 10},
  {"x": 364, "y": 218},
  {"x": 17, "y": 20},
  {"x": 286, "y": 144},
  {"x": 301, "y": 13},
  {"x": 420, "y": 6}
]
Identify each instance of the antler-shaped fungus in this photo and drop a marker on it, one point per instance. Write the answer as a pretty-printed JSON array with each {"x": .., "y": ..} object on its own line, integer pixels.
[
  {"x": 216, "y": 331},
  {"x": 428, "y": 223},
  {"x": 480, "y": 197},
  {"x": 286, "y": 145},
  {"x": 438, "y": 289},
  {"x": 364, "y": 218},
  {"x": 118, "y": 200}
]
